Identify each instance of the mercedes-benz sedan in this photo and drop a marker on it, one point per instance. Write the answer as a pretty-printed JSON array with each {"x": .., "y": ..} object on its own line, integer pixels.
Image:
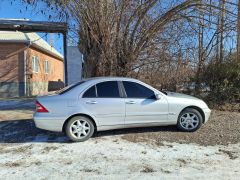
[{"x": 106, "y": 103}]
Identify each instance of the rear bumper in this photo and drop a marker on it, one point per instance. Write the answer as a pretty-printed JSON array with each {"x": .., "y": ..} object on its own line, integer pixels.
[
  {"x": 48, "y": 123},
  {"x": 207, "y": 113}
]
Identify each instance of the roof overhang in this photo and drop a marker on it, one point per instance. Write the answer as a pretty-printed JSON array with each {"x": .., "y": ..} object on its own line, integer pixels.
[
  {"x": 28, "y": 43},
  {"x": 46, "y": 51}
]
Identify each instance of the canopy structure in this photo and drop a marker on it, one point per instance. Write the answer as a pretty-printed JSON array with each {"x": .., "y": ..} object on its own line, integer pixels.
[{"x": 24, "y": 25}]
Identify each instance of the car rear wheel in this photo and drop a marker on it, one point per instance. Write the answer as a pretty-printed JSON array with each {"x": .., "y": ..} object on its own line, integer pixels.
[
  {"x": 189, "y": 120},
  {"x": 79, "y": 128}
]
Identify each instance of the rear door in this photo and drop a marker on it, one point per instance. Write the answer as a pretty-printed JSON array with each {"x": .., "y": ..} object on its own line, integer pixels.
[
  {"x": 142, "y": 105},
  {"x": 104, "y": 102}
]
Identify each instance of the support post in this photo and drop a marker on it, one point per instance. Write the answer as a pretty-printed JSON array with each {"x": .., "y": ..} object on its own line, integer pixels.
[{"x": 65, "y": 58}]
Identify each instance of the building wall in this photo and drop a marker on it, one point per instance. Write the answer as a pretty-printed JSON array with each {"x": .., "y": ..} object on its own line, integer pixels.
[
  {"x": 11, "y": 60},
  {"x": 12, "y": 71},
  {"x": 74, "y": 63},
  {"x": 41, "y": 82}
]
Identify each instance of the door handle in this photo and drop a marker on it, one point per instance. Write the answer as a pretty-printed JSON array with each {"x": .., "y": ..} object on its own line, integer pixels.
[
  {"x": 131, "y": 102},
  {"x": 91, "y": 102}
]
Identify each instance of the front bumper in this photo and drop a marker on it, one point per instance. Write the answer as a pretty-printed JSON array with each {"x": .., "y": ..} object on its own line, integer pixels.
[
  {"x": 207, "y": 113},
  {"x": 48, "y": 123}
]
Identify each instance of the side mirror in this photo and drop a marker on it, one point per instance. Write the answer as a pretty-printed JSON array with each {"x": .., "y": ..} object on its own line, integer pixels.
[{"x": 158, "y": 96}]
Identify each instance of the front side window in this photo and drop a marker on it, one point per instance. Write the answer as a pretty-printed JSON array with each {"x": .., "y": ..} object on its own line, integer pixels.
[
  {"x": 135, "y": 90},
  {"x": 35, "y": 64},
  {"x": 108, "y": 89},
  {"x": 46, "y": 66}
]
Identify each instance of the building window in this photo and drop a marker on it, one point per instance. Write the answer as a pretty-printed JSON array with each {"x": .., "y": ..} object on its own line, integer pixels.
[
  {"x": 46, "y": 66},
  {"x": 35, "y": 64}
]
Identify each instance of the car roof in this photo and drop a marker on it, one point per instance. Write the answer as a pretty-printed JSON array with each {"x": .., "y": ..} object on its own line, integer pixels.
[
  {"x": 90, "y": 81},
  {"x": 109, "y": 78}
]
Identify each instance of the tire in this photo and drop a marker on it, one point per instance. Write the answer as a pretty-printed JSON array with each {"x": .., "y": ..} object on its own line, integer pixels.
[
  {"x": 189, "y": 120},
  {"x": 79, "y": 128}
]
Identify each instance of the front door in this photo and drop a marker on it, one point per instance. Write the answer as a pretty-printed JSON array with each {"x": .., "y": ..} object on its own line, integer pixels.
[{"x": 142, "y": 105}]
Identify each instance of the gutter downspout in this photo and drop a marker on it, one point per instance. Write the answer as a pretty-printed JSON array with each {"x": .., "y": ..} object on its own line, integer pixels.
[
  {"x": 25, "y": 71},
  {"x": 26, "y": 87}
]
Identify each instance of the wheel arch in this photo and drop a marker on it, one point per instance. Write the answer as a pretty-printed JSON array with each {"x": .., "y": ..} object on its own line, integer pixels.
[
  {"x": 196, "y": 108},
  {"x": 79, "y": 114}
]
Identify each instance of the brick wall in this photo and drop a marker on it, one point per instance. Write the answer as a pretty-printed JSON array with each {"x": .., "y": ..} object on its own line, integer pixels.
[
  {"x": 41, "y": 82},
  {"x": 12, "y": 71}
]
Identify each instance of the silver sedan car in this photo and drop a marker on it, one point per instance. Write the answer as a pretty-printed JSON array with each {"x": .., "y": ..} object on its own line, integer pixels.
[{"x": 105, "y": 103}]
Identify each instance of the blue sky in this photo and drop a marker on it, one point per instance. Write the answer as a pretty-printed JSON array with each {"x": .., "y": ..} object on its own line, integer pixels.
[{"x": 18, "y": 11}]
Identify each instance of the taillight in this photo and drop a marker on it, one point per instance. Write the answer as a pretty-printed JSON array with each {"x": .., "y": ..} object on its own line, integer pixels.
[{"x": 40, "y": 108}]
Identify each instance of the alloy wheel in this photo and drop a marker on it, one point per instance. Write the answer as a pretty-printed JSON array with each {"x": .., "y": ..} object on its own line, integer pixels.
[
  {"x": 80, "y": 128},
  {"x": 189, "y": 121}
]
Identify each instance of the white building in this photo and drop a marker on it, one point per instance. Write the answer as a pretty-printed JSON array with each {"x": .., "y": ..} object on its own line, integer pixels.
[{"x": 74, "y": 64}]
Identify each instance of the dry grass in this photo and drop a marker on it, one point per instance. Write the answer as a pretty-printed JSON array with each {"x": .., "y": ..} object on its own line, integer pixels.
[
  {"x": 147, "y": 169},
  {"x": 229, "y": 153}
]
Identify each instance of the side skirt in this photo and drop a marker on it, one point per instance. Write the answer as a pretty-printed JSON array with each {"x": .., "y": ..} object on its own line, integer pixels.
[{"x": 122, "y": 126}]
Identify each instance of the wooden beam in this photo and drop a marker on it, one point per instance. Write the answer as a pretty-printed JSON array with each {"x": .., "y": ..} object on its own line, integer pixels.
[{"x": 32, "y": 26}]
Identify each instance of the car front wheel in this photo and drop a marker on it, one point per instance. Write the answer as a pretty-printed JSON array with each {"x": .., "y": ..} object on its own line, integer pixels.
[
  {"x": 189, "y": 120},
  {"x": 79, "y": 128}
]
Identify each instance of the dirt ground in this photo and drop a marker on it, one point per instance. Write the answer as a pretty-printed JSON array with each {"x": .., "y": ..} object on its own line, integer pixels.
[
  {"x": 213, "y": 152},
  {"x": 223, "y": 128}
]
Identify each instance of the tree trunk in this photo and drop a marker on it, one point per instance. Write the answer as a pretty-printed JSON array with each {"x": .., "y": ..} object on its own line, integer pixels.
[
  {"x": 238, "y": 34},
  {"x": 222, "y": 22},
  {"x": 200, "y": 51}
]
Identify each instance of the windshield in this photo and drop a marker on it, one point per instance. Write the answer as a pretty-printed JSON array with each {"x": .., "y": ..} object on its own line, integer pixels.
[{"x": 68, "y": 88}]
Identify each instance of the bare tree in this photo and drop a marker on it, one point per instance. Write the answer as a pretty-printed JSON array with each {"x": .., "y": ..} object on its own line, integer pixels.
[
  {"x": 163, "y": 42},
  {"x": 115, "y": 34}
]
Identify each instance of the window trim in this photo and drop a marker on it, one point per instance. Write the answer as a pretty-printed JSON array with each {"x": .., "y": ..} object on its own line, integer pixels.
[
  {"x": 121, "y": 87},
  {"x": 46, "y": 61},
  {"x": 125, "y": 93},
  {"x": 34, "y": 60}
]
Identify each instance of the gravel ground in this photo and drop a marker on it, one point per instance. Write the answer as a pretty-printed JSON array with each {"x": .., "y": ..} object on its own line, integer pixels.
[
  {"x": 223, "y": 128},
  {"x": 213, "y": 152}
]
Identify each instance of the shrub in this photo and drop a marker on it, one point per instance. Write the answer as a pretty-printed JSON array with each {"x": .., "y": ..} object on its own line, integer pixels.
[{"x": 223, "y": 80}]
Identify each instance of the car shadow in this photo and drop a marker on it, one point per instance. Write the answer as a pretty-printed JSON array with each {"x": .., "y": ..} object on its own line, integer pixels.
[
  {"x": 137, "y": 130},
  {"x": 24, "y": 131},
  {"x": 17, "y": 105}
]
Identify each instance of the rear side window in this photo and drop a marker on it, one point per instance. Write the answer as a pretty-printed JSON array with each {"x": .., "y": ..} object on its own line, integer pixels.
[
  {"x": 108, "y": 89},
  {"x": 90, "y": 93},
  {"x": 135, "y": 90},
  {"x": 68, "y": 88}
]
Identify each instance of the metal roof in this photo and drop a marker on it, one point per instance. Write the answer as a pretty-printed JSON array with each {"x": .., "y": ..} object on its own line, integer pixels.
[{"x": 32, "y": 38}]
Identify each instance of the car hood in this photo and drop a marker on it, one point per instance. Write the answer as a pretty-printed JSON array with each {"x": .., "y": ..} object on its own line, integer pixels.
[
  {"x": 183, "y": 98},
  {"x": 179, "y": 95}
]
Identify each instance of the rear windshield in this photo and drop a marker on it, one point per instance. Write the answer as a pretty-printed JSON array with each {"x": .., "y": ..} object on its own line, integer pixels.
[{"x": 68, "y": 88}]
